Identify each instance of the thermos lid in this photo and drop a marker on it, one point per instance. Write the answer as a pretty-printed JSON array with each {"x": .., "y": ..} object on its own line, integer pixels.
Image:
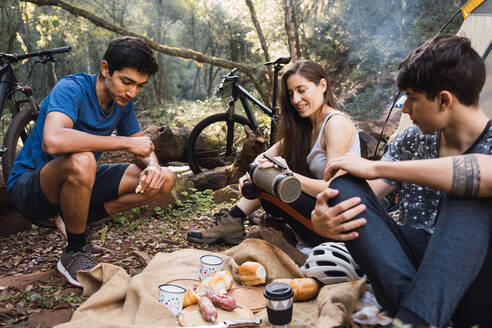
[
  {"x": 278, "y": 291},
  {"x": 288, "y": 188}
]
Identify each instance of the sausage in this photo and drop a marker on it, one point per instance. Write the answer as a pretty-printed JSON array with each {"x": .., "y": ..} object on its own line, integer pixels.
[
  {"x": 223, "y": 302},
  {"x": 207, "y": 309}
]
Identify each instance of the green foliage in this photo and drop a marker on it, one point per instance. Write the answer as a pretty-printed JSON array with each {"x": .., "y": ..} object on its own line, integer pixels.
[
  {"x": 103, "y": 234},
  {"x": 360, "y": 42}
]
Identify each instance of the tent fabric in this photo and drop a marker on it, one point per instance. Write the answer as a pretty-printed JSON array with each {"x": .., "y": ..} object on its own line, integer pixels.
[
  {"x": 118, "y": 300},
  {"x": 477, "y": 26},
  {"x": 469, "y": 7}
]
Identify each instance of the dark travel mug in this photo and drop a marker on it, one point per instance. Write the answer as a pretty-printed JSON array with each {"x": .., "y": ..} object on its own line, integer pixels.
[{"x": 278, "y": 297}]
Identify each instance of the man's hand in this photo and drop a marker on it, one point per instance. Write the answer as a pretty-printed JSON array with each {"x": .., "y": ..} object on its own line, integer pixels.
[
  {"x": 141, "y": 146},
  {"x": 334, "y": 222},
  {"x": 151, "y": 178},
  {"x": 352, "y": 164}
]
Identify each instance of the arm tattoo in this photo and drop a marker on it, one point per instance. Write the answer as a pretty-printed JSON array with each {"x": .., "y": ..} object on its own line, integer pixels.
[{"x": 466, "y": 176}]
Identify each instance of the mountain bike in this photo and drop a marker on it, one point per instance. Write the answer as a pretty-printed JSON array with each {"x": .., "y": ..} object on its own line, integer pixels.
[
  {"x": 25, "y": 109},
  {"x": 217, "y": 140}
]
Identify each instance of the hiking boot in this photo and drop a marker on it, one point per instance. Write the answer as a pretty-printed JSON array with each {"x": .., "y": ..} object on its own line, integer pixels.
[
  {"x": 73, "y": 262},
  {"x": 278, "y": 223},
  {"x": 224, "y": 228}
]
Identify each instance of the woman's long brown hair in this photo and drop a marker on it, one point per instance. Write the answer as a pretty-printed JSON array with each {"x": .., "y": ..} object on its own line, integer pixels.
[{"x": 295, "y": 131}]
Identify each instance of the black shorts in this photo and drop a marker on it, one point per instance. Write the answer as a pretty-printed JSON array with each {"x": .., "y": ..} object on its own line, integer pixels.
[{"x": 28, "y": 198}]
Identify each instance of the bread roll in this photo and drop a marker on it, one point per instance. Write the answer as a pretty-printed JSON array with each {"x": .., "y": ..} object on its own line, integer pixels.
[
  {"x": 227, "y": 277},
  {"x": 304, "y": 288},
  {"x": 252, "y": 273},
  {"x": 219, "y": 283},
  {"x": 189, "y": 298}
]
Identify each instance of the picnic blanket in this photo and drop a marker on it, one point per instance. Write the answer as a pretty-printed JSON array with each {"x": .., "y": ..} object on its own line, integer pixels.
[{"x": 118, "y": 300}]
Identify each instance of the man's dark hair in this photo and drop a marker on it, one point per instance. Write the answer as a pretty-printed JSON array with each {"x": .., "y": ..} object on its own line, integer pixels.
[
  {"x": 445, "y": 62},
  {"x": 130, "y": 51}
]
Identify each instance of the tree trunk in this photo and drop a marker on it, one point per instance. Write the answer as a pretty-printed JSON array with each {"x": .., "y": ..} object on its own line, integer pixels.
[
  {"x": 263, "y": 43},
  {"x": 249, "y": 3},
  {"x": 403, "y": 22},
  {"x": 161, "y": 75},
  {"x": 171, "y": 51},
  {"x": 50, "y": 75},
  {"x": 87, "y": 58},
  {"x": 195, "y": 82},
  {"x": 290, "y": 28},
  {"x": 229, "y": 174},
  {"x": 155, "y": 91}
]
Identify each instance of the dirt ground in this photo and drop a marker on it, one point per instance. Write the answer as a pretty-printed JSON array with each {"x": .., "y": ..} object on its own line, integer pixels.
[{"x": 34, "y": 294}]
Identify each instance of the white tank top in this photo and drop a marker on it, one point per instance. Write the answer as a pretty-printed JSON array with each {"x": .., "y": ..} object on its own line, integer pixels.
[{"x": 316, "y": 159}]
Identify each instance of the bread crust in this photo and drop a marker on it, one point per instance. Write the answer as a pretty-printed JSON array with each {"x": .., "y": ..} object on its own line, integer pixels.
[
  {"x": 252, "y": 273},
  {"x": 304, "y": 288}
]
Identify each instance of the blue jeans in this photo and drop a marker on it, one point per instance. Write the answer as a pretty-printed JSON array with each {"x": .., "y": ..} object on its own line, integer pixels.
[
  {"x": 440, "y": 277},
  {"x": 297, "y": 214}
]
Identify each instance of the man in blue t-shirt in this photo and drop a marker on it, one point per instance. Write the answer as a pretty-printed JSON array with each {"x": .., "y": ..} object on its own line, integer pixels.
[
  {"x": 56, "y": 173},
  {"x": 434, "y": 267}
]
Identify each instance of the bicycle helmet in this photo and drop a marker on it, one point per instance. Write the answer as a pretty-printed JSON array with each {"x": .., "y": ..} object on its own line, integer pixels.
[{"x": 331, "y": 263}]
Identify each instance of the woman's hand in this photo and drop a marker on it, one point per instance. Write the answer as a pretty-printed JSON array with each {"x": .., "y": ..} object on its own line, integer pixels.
[
  {"x": 243, "y": 180},
  {"x": 266, "y": 163}
]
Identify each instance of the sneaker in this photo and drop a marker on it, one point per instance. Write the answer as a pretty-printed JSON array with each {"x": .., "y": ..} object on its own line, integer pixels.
[
  {"x": 73, "y": 262},
  {"x": 92, "y": 248},
  {"x": 224, "y": 228}
]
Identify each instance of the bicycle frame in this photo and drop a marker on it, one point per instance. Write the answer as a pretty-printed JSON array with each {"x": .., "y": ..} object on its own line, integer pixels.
[
  {"x": 7, "y": 81},
  {"x": 238, "y": 92},
  {"x": 9, "y": 85}
]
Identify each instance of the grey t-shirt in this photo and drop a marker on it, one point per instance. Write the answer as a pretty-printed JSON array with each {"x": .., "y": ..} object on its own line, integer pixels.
[{"x": 419, "y": 205}]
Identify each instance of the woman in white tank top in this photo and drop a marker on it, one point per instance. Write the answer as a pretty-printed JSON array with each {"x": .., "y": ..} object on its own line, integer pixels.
[{"x": 310, "y": 132}]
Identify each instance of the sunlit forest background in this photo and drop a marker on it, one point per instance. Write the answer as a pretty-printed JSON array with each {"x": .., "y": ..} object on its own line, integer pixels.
[{"x": 359, "y": 42}]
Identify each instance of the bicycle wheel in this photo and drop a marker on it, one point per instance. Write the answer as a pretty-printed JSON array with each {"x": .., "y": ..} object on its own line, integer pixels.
[
  {"x": 207, "y": 143},
  {"x": 16, "y": 135}
]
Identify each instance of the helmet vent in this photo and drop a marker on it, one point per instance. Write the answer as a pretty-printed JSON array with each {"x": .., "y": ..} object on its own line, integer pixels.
[
  {"x": 325, "y": 263},
  {"x": 336, "y": 274},
  {"x": 318, "y": 252},
  {"x": 338, "y": 247},
  {"x": 340, "y": 256}
]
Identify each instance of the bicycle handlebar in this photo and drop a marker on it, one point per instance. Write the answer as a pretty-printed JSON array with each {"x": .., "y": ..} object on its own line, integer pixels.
[
  {"x": 13, "y": 58},
  {"x": 231, "y": 72}
]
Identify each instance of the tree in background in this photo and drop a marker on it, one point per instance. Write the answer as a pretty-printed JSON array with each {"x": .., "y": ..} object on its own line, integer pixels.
[{"x": 359, "y": 42}]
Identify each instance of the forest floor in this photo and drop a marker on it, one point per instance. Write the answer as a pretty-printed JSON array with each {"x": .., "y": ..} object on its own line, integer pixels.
[{"x": 34, "y": 294}]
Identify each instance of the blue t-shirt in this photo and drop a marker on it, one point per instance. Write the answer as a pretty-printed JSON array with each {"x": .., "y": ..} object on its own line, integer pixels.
[{"x": 74, "y": 96}]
